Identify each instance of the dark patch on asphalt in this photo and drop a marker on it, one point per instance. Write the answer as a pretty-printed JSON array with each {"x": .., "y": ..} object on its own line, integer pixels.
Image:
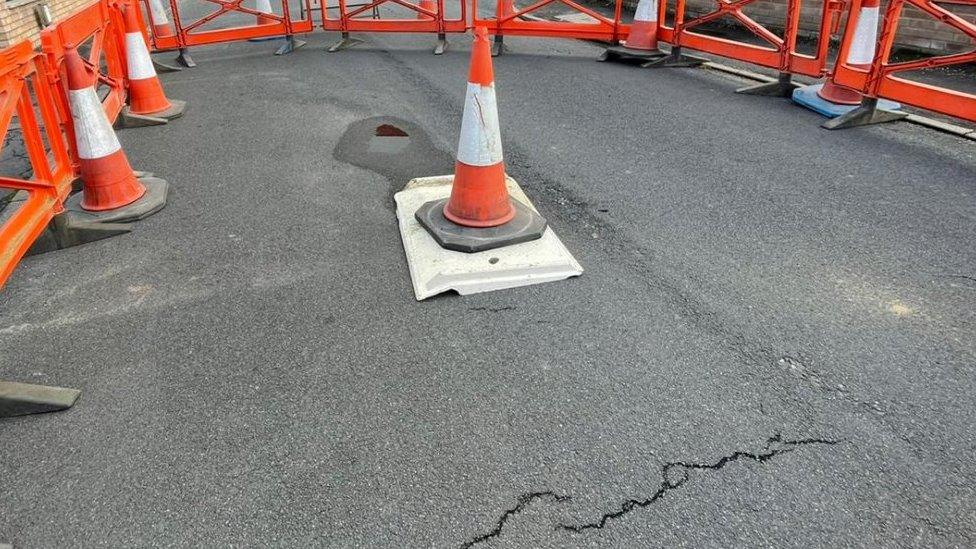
[
  {"x": 523, "y": 501},
  {"x": 397, "y": 149}
]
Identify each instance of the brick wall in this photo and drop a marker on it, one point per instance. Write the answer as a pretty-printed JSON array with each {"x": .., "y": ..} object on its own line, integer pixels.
[
  {"x": 915, "y": 31},
  {"x": 17, "y": 20}
]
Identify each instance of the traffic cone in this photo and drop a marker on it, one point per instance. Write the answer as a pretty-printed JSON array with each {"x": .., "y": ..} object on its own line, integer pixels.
[
  {"x": 264, "y": 6},
  {"x": 110, "y": 192},
  {"x": 641, "y": 43},
  {"x": 479, "y": 215},
  {"x": 146, "y": 97},
  {"x": 160, "y": 21},
  {"x": 832, "y": 99}
]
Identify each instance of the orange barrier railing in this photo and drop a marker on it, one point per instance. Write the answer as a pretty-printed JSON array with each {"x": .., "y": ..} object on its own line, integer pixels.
[
  {"x": 353, "y": 16},
  {"x": 28, "y": 93},
  {"x": 189, "y": 30},
  {"x": 882, "y": 80},
  {"x": 513, "y": 21}
]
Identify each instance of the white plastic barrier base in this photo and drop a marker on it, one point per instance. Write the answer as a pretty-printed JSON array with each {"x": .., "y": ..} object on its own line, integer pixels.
[{"x": 435, "y": 270}]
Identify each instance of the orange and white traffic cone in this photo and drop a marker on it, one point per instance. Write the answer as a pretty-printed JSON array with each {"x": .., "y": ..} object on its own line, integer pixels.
[
  {"x": 641, "y": 43},
  {"x": 148, "y": 104},
  {"x": 264, "y": 6},
  {"x": 161, "y": 26},
  {"x": 830, "y": 98},
  {"x": 479, "y": 215},
  {"x": 111, "y": 192}
]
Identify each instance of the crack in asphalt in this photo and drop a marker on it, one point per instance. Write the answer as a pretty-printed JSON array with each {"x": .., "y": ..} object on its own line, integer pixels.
[
  {"x": 774, "y": 446},
  {"x": 523, "y": 501}
]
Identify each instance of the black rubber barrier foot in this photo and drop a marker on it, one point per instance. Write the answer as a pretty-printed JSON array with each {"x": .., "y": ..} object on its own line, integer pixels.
[
  {"x": 625, "y": 54},
  {"x": 291, "y": 44},
  {"x": 868, "y": 113},
  {"x": 150, "y": 203},
  {"x": 184, "y": 59},
  {"x": 498, "y": 46},
  {"x": 526, "y": 226},
  {"x": 675, "y": 59},
  {"x": 21, "y": 399},
  {"x": 129, "y": 119},
  {"x": 344, "y": 43},
  {"x": 782, "y": 87},
  {"x": 441, "y": 46},
  {"x": 165, "y": 67},
  {"x": 66, "y": 230}
]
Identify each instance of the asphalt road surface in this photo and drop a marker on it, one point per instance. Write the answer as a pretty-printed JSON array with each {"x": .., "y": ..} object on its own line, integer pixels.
[{"x": 772, "y": 344}]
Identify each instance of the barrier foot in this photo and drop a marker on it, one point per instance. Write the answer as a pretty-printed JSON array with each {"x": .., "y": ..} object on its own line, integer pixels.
[
  {"x": 184, "y": 59},
  {"x": 291, "y": 44},
  {"x": 441, "y": 44},
  {"x": 783, "y": 86},
  {"x": 344, "y": 43},
  {"x": 66, "y": 230},
  {"x": 868, "y": 113},
  {"x": 151, "y": 202},
  {"x": 623, "y": 53},
  {"x": 21, "y": 399},
  {"x": 165, "y": 67},
  {"x": 498, "y": 46},
  {"x": 675, "y": 59}
]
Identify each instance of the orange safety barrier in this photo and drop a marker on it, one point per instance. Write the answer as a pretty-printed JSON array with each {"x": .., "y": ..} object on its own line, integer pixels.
[
  {"x": 510, "y": 20},
  {"x": 27, "y": 92},
  {"x": 881, "y": 80},
  {"x": 99, "y": 29},
  {"x": 778, "y": 51},
  {"x": 191, "y": 28},
  {"x": 424, "y": 17}
]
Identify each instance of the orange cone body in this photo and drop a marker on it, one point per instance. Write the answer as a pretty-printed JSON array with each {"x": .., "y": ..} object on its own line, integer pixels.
[
  {"x": 264, "y": 6},
  {"x": 160, "y": 21},
  {"x": 643, "y": 31},
  {"x": 860, "y": 54},
  {"x": 429, "y": 5},
  {"x": 145, "y": 91},
  {"x": 479, "y": 197},
  {"x": 108, "y": 179}
]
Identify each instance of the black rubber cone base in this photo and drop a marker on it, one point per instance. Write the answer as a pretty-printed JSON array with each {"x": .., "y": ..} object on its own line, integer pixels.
[
  {"x": 526, "y": 226},
  {"x": 21, "y": 399},
  {"x": 623, "y": 53},
  {"x": 148, "y": 204}
]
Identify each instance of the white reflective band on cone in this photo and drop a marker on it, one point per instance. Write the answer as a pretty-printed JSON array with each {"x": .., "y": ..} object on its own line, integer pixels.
[
  {"x": 481, "y": 141},
  {"x": 865, "y": 37},
  {"x": 158, "y": 12},
  {"x": 263, "y": 6},
  {"x": 646, "y": 11},
  {"x": 93, "y": 134},
  {"x": 137, "y": 57}
]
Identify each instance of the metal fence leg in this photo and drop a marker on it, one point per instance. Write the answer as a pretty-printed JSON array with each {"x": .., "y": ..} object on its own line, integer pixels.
[
  {"x": 498, "y": 46},
  {"x": 441, "y": 44},
  {"x": 783, "y": 86},
  {"x": 184, "y": 59},
  {"x": 868, "y": 113},
  {"x": 291, "y": 44},
  {"x": 676, "y": 59},
  {"x": 345, "y": 42}
]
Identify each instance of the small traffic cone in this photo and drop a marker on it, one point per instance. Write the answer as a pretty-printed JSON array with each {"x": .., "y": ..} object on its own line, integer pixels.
[
  {"x": 148, "y": 104},
  {"x": 264, "y": 6},
  {"x": 110, "y": 192},
  {"x": 641, "y": 43},
  {"x": 479, "y": 215},
  {"x": 832, "y": 99},
  {"x": 160, "y": 21}
]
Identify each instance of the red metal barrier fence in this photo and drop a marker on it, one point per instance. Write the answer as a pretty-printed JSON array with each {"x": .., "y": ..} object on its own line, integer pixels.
[
  {"x": 190, "y": 28},
  {"x": 28, "y": 95}
]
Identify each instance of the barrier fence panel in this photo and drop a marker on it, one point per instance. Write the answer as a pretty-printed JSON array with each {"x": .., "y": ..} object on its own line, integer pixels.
[
  {"x": 35, "y": 189},
  {"x": 426, "y": 16},
  {"x": 178, "y": 24},
  {"x": 773, "y": 50},
  {"x": 509, "y": 19},
  {"x": 881, "y": 77}
]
